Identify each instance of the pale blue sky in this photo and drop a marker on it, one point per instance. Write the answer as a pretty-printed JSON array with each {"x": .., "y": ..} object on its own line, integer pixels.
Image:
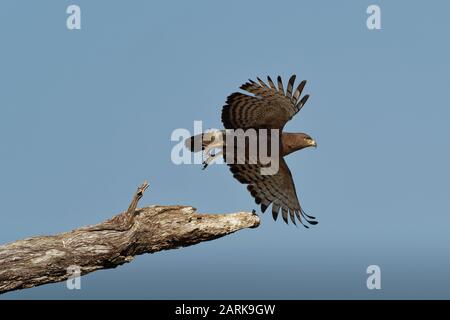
[{"x": 86, "y": 116}]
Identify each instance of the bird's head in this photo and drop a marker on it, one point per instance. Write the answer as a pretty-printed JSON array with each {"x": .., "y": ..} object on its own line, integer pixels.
[
  {"x": 296, "y": 141},
  {"x": 307, "y": 141}
]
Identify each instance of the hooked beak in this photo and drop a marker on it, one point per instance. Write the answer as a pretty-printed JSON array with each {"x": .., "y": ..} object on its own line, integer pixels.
[{"x": 313, "y": 143}]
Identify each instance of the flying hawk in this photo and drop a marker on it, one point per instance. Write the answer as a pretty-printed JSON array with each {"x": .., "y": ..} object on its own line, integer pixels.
[{"x": 262, "y": 106}]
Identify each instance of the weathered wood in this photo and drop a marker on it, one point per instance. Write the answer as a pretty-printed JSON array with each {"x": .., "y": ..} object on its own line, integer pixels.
[{"x": 45, "y": 259}]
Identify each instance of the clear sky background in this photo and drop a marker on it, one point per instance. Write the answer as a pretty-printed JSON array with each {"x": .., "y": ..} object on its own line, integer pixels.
[{"x": 86, "y": 116}]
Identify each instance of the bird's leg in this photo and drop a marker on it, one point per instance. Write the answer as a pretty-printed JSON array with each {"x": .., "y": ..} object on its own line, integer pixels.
[
  {"x": 216, "y": 142},
  {"x": 210, "y": 158}
]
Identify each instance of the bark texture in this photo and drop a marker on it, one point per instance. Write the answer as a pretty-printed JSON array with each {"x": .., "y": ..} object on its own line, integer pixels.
[{"x": 45, "y": 259}]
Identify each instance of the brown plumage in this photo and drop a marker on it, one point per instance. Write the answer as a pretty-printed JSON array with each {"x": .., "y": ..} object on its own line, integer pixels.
[{"x": 267, "y": 107}]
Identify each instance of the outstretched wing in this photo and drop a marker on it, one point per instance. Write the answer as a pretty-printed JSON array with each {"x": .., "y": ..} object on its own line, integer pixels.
[
  {"x": 277, "y": 189},
  {"x": 267, "y": 107}
]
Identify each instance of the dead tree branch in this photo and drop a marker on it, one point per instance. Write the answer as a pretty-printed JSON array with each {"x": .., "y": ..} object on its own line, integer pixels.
[{"x": 45, "y": 259}]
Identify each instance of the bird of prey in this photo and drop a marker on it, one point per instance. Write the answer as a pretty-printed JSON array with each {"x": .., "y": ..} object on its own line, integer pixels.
[{"x": 262, "y": 106}]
